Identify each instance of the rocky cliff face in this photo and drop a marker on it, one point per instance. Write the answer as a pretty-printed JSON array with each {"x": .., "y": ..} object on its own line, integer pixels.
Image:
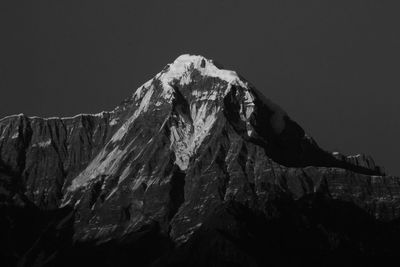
[{"x": 191, "y": 151}]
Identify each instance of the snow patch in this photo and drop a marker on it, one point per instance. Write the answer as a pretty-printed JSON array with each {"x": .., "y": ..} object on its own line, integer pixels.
[
  {"x": 143, "y": 107},
  {"x": 103, "y": 164},
  {"x": 15, "y": 135},
  {"x": 101, "y": 114},
  {"x": 114, "y": 122},
  {"x": 205, "y": 95},
  {"x": 187, "y": 137},
  {"x": 12, "y": 116},
  {"x": 139, "y": 92},
  {"x": 179, "y": 70},
  {"x": 246, "y": 110},
  {"x": 182, "y": 67},
  {"x": 42, "y": 144}
]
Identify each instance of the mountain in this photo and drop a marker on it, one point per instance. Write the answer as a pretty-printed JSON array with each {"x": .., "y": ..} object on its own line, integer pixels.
[{"x": 195, "y": 168}]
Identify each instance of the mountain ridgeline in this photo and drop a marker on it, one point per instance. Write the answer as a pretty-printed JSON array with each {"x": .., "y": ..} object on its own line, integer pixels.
[{"x": 195, "y": 168}]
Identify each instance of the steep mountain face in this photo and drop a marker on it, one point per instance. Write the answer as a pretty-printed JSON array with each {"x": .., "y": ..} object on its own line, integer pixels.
[{"x": 189, "y": 154}]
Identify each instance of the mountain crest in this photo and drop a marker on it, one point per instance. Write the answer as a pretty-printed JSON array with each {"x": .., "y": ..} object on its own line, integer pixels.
[{"x": 187, "y": 65}]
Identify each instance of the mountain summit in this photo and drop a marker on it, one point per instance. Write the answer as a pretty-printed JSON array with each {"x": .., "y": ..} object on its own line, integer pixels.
[{"x": 196, "y": 153}]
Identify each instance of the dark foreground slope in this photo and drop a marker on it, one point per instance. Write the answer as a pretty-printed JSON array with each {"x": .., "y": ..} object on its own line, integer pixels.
[
  {"x": 196, "y": 168},
  {"x": 313, "y": 231}
]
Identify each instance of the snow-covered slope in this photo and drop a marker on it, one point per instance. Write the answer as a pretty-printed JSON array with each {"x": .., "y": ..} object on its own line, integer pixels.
[{"x": 188, "y": 131}]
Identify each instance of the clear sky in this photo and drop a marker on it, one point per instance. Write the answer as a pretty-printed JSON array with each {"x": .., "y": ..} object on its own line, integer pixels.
[{"x": 332, "y": 65}]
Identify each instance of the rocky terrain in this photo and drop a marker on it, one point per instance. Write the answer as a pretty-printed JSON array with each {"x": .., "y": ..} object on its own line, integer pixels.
[{"x": 196, "y": 168}]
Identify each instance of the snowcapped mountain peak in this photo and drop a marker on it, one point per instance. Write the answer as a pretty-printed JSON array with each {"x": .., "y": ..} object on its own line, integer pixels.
[
  {"x": 187, "y": 70},
  {"x": 183, "y": 67},
  {"x": 186, "y": 59},
  {"x": 199, "y": 87},
  {"x": 188, "y": 142},
  {"x": 186, "y": 98}
]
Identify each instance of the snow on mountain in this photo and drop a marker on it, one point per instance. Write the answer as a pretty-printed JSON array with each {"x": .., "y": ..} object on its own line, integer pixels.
[{"x": 187, "y": 135}]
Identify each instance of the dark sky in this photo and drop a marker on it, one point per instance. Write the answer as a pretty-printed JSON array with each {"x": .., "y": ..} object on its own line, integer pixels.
[{"x": 332, "y": 65}]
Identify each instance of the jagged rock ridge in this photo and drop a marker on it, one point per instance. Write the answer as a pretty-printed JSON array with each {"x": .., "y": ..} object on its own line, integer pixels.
[{"x": 187, "y": 142}]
